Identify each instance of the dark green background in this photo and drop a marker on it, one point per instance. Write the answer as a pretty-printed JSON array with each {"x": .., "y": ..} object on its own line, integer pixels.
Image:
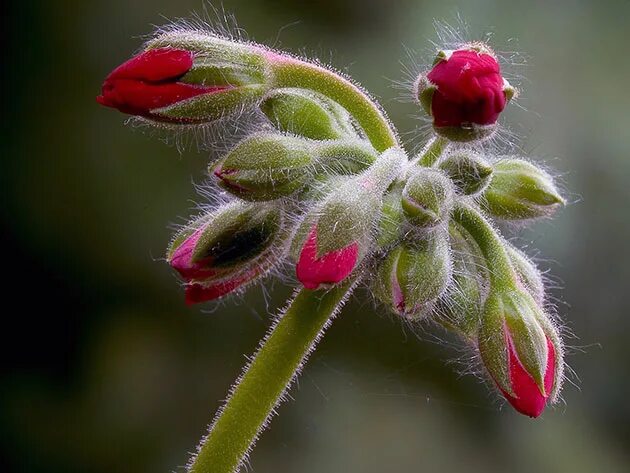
[{"x": 106, "y": 370}]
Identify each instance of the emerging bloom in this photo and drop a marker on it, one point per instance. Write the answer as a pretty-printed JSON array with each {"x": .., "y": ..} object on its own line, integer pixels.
[
  {"x": 527, "y": 397},
  {"x": 520, "y": 349},
  {"x": 150, "y": 81},
  {"x": 464, "y": 90},
  {"x": 314, "y": 270}
]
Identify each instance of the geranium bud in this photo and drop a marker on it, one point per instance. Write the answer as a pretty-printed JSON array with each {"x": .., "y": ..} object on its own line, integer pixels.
[
  {"x": 528, "y": 274},
  {"x": 227, "y": 248},
  {"x": 520, "y": 190},
  {"x": 265, "y": 167},
  {"x": 187, "y": 78},
  {"x": 464, "y": 92},
  {"x": 337, "y": 234},
  {"x": 307, "y": 113},
  {"x": 470, "y": 173},
  {"x": 519, "y": 350},
  {"x": 412, "y": 276},
  {"x": 427, "y": 198},
  {"x": 390, "y": 225}
]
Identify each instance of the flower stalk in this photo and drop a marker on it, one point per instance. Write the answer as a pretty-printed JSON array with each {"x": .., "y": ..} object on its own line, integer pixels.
[{"x": 264, "y": 382}]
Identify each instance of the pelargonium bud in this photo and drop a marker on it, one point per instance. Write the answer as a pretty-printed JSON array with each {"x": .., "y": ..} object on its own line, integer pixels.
[
  {"x": 520, "y": 190},
  {"x": 307, "y": 113},
  {"x": 427, "y": 198},
  {"x": 413, "y": 276},
  {"x": 390, "y": 225},
  {"x": 336, "y": 235},
  {"x": 265, "y": 167},
  {"x": 470, "y": 172},
  {"x": 464, "y": 92},
  {"x": 222, "y": 251},
  {"x": 520, "y": 350},
  {"x": 187, "y": 78}
]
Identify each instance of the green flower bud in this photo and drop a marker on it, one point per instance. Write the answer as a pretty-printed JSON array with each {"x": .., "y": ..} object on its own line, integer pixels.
[
  {"x": 265, "y": 167},
  {"x": 307, "y": 113},
  {"x": 520, "y": 190},
  {"x": 427, "y": 198},
  {"x": 412, "y": 276},
  {"x": 392, "y": 219},
  {"x": 469, "y": 172}
]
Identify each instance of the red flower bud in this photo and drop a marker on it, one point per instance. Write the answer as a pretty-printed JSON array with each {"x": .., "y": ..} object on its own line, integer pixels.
[
  {"x": 199, "y": 292},
  {"x": 183, "y": 262},
  {"x": 527, "y": 398},
  {"x": 314, "y": 270},
  {"x": 150, "y": 81},
  {"x": 463, "y": 91}
]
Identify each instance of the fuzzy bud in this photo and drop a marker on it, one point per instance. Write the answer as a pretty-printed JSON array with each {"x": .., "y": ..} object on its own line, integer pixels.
[
  {"x": 528, "y": 274},
  {"x": 265, "y": 167},
  {"x": 427, "y": 198},
  {"x": 187, "y": 78},
  {"x": 413, "y": 276},
  {"x": 464, "y": 92},
  {"x": 307, "y": 113},
  {"x": 470, "y": 173},
  {"x": 221, "y": 251},
  {"x": 520, "y": 350},
  {"x": 520, "y": 190}
]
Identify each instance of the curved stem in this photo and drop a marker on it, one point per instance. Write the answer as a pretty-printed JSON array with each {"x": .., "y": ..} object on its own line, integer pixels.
[
  {"x": 501, "y": 272},
  {"x": 433, "y": 152},
  {"x": 265, "y": 381},
  {"x": 291, "y": 72}
]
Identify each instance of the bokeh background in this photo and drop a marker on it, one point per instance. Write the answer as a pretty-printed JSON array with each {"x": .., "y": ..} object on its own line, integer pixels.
[{"x": 105, "y": 370}]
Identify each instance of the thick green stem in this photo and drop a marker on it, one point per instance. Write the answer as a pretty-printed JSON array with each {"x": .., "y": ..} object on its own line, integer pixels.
[
  {"x": 291, "y": 72},
  {"x": 433, "y": 152},
  {"x": 271, "y": 371},
  {"x": 501, "y": 272}
]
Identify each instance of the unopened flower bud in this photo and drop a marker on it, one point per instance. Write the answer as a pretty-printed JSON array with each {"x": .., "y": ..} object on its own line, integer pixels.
[
  {"x": 334, "y": 237},
  {"x": 427, "y": 198},
  {"x": 307, "y": 113},
  {"x": 265, "y": 167},
  {"x": 528, "y": 274},
  {"x": 187, "y": 78},
  {"x": 392, "y": 218},
  {"x": 412, "y": 276},
  {"x": 221, "y": 251},
  {"x": 464, "y": 92},
  {"x": 520, "y": 190},
  {"x": 469, "y": 172},
  {"x": 520, "y": 356}
]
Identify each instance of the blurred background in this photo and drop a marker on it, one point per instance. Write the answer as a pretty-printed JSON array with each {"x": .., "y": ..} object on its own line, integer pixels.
[{"x": 105, "y": 370}]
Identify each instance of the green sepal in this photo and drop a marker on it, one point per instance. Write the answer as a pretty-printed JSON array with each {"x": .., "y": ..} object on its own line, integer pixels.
[
  {"x": 392, "y": 219},
  {"x": 307, "y": 113},
  {"x": 528, "y": 275},
  {"x": 466, "y": 133},
  {"x": 520, "y": 190},
  {"x": 241, "y": 232},
  {"x": 213, "y": 106},
  {"x": 266, "y": 167}
]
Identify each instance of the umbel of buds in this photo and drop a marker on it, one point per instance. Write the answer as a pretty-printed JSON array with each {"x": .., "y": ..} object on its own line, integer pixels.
[
  {"x": 314, "y": 183},
  {"x": 464, "y": 92}
]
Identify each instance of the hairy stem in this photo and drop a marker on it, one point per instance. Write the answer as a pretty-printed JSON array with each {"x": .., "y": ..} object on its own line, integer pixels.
[
  {"x": 501, "y": 272},
  {"x": 434, "y": 150},
  {"x": 271, "y": 371},
  {"x": 291, "y": 72}
]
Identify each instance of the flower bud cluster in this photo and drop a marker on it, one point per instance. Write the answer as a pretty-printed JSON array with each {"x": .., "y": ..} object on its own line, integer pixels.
[{"x": 311, "y": 190}]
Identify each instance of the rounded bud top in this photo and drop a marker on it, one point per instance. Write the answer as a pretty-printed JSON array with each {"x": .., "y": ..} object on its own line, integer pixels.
[
  {"x": 427, "y": 198},
  {"x": 470, "y": 172}
]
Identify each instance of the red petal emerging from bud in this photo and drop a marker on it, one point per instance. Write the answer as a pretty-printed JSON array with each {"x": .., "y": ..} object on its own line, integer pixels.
[
  {"x": 469, "y": 89},
  {"x": 331, "y": 268},
  {"x": 149, "y": 81},
  {"x": 527, "y": 397},
  {"x": 181, "y": 260},
  {"x": 196, "y": 293}
]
